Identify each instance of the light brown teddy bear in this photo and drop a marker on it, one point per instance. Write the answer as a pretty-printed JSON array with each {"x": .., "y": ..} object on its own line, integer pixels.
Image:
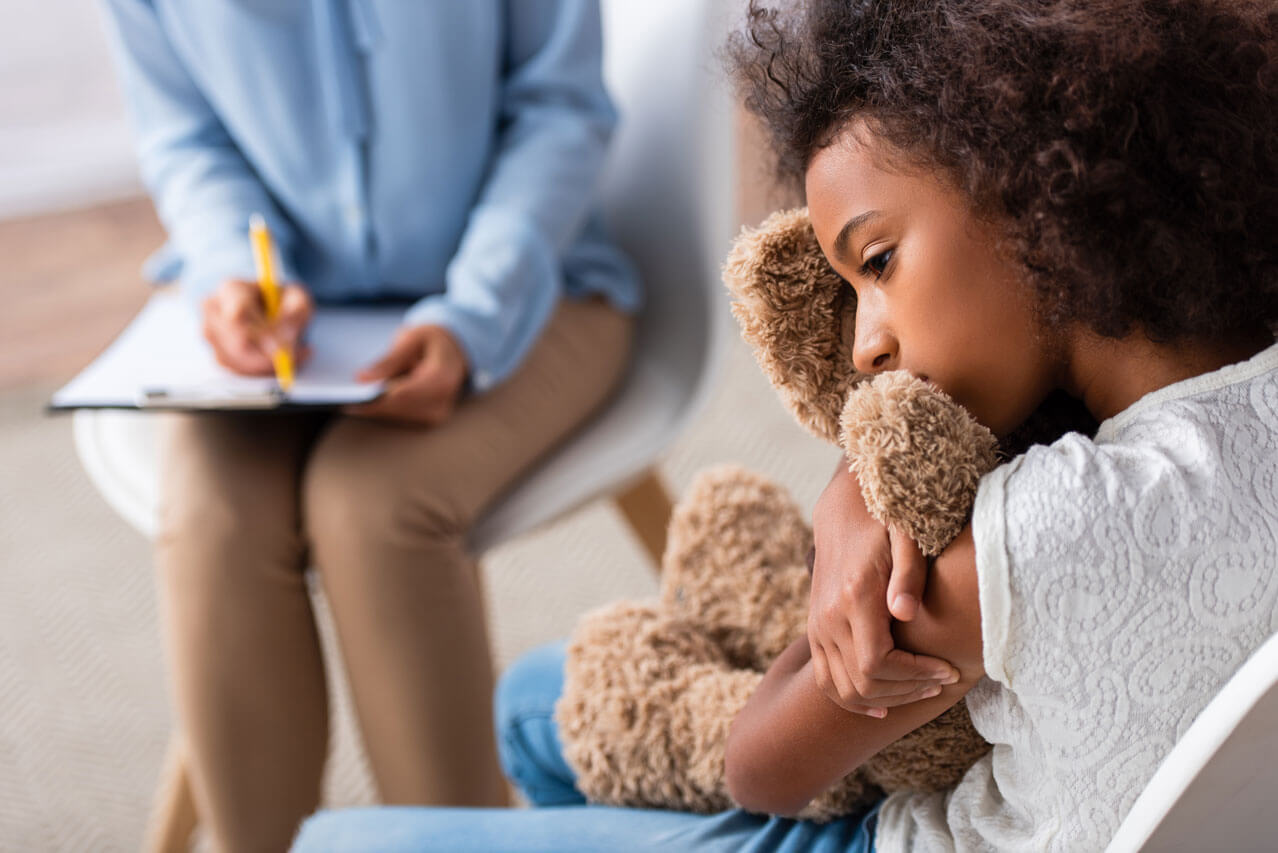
[{"x": 651, "y": 688}]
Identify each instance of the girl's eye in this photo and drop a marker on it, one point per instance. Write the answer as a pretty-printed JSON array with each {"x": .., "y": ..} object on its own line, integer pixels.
[{"x": 876, "y": 265}]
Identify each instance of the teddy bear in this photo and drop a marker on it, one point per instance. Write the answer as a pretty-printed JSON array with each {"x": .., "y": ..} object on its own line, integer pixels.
[{"x": 651, "y": 687}]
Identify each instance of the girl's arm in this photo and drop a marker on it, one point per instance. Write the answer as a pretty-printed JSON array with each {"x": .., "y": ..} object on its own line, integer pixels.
[
  {"x": 790, "y": 742},
  {"x": 860, "y": 566}
]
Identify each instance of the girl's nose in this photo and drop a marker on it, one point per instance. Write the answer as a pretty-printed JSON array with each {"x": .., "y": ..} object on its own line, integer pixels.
[{"x": 874, "y": 349}]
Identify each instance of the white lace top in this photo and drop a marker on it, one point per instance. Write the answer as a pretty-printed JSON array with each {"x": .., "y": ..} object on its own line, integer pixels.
[{"x": 1122, "y": 581}]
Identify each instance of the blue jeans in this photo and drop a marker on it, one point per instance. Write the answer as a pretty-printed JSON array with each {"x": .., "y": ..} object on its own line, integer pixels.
[{"x": 561, "y": 821}]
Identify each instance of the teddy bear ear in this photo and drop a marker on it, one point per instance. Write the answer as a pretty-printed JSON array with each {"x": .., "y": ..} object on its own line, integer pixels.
[{"x": 798, "y": 315}]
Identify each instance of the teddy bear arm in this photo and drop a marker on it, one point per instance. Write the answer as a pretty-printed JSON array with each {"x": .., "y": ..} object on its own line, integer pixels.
[
  {"x": 933, "y": 757},
  {"x": 918, "y": 456}
]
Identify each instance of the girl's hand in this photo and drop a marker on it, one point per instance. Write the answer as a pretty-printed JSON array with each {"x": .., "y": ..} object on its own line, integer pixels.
[
  {"x": 860, "y": 567},
  {"x": 235, "y": 325},
  {"x": 425, "y": 368}
]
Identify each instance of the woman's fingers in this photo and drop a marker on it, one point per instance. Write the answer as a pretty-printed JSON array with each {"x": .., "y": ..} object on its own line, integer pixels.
[
  {"x": 412, "y": 399},
  {"x": 236, "y": 327},
  {"x": 234, "y": 330},
  {"x": 240, "y": 303},
  {"x": 427, "y": 370},
  {"x": 245, "y": 352},
  {"x": 296, "y": 308},
  {"x": 402, "y": 357}
]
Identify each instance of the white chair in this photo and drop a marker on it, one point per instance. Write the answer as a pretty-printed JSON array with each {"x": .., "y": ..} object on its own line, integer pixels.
[
  {"x": 1218, "y": 787},
  {"x": 668, "y": 196}
]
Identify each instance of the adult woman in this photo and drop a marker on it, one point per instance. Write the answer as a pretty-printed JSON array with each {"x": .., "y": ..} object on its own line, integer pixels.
[{"x": 441, "y": 154}]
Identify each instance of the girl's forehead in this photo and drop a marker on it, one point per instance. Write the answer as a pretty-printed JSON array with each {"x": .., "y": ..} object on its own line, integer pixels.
[
  {"x": 861, "y": 163},
  {"x": 845, "y": 176},
  {"x": 855, "y": 175}
]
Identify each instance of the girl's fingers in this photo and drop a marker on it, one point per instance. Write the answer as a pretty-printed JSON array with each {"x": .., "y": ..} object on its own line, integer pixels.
[
  {"x": 925, "y": 668},
  {"x": 909, "y": 576},
  {"x": 926, "y": 691},
  {"x": 820, "y": 668},
  {"x": 871, "y": 624},
  {"x": 886, "y": 675},
  {"x": 838, "y": 678}
]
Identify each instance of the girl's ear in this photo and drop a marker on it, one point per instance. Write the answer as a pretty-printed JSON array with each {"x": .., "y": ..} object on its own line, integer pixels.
[{"x": 799, "y": 316}]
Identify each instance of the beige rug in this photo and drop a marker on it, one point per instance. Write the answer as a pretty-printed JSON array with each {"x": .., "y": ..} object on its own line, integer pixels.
[{"x": 84, "y": 713}]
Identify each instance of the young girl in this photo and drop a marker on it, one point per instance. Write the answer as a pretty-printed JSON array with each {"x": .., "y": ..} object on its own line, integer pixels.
[{"x": 1026, "y": 196}]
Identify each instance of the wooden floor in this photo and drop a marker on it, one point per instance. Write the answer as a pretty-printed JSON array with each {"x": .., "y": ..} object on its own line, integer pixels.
[{"x": 69, "y": 282}]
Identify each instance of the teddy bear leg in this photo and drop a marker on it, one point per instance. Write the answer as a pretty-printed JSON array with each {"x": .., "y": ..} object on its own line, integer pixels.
[
  {"x": 736, "y": 564},
  {"x": 622, "y": 733}
]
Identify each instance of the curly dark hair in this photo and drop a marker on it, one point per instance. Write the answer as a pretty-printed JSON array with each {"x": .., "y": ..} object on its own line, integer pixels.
[{"x": 1128, "y": 148}]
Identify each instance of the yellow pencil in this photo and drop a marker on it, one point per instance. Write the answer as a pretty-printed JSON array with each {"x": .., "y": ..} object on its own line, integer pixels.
[{"x": 263, "y": 254}]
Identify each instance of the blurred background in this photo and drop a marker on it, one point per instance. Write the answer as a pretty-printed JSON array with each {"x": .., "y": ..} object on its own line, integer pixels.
[{"x": 84, "y": 708}]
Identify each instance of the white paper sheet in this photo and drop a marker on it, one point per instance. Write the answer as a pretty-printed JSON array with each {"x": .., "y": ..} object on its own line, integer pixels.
[{"x": 162, "y": 361}]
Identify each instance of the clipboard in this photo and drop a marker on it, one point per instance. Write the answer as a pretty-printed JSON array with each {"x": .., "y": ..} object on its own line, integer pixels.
[{"x": 161, "y": 361}]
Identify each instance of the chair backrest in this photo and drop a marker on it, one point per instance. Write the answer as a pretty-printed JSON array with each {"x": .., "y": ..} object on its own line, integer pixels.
[
  {"x": 667, "y": 191},
  {"x": 668, "y": 197},
  {"x": 1218, "y": 787}
]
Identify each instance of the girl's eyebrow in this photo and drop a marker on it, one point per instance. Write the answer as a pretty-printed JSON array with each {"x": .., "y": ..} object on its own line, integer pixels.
[{"x": 850, "y": 228}]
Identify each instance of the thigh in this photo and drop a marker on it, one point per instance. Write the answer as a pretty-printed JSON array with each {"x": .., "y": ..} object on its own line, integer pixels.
[
  {"x": 578, "y": 828},
  {"x": 232, "y": 476},
  {"x": 452, "y": 471}
]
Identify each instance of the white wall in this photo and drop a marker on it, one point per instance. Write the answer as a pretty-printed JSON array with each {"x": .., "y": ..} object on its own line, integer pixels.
[{"x": 64, "y": 140}]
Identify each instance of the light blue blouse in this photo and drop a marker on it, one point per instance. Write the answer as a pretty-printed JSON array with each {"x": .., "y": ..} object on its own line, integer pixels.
[{"x": 442, "y": 151}]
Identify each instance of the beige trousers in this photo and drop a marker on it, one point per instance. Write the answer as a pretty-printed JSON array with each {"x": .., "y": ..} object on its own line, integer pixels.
[{"x": 382, "y": 512}]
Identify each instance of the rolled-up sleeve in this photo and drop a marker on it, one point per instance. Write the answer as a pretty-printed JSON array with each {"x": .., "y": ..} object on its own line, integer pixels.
[
  {"x": 203, "y": 188},
  {"x": 554, "y": 124}
]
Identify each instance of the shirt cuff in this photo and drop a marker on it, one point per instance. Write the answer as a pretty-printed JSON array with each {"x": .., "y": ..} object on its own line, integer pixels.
[
  {"x": 989, "y": 531},
  {"x": 199, "y": 277},
  {"x": 502, "y": 287}
]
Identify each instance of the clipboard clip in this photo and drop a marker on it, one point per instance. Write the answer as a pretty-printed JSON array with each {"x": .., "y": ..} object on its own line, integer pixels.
[{"x": 197, "y": 398}]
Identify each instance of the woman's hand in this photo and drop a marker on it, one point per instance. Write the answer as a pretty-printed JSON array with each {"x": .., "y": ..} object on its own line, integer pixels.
[
  {"x": 235, "y": 325},
  {"x": 859, "y": 567},
  {"x": 424, "y": 371}
]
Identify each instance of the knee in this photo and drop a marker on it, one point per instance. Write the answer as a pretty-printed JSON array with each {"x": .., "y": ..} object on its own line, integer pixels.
[
  {"x": 527, "y": 737},
  {"x": 367, "y": 502},
  {"x": 530, "y": 686},
  {"x": 205, "y": 532},
  {"x": 222, "y": 504}
]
